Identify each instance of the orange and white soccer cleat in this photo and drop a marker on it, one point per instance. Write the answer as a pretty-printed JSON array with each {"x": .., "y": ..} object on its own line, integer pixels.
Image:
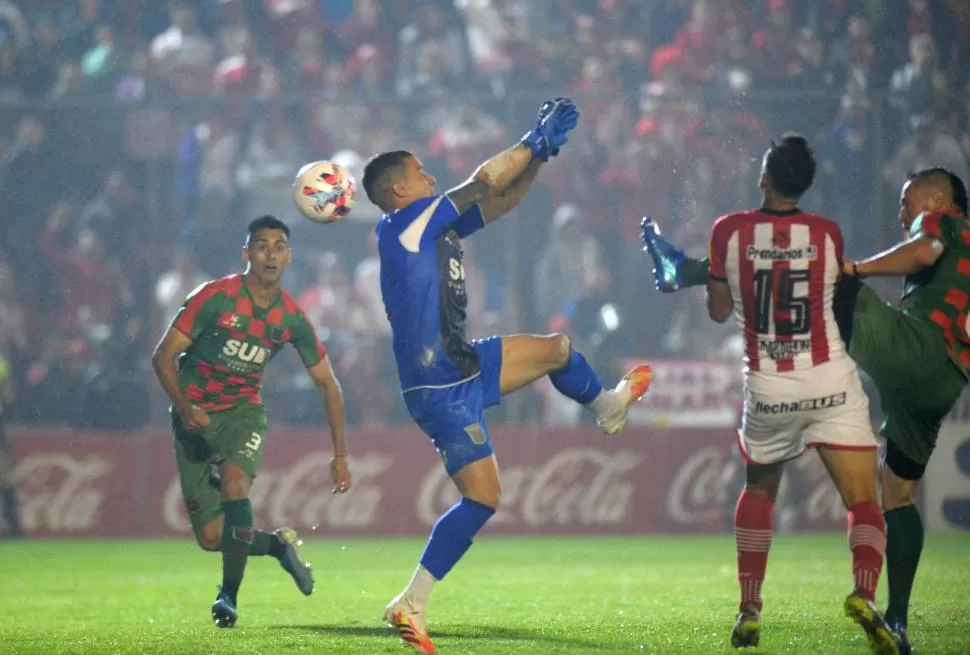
[
  {"x": 408, "y": 619},
  {"x": 630, "y": 389}
]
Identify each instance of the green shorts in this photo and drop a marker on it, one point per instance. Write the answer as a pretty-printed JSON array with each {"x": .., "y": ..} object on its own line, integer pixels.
[
  {"x": 907, "y": 360},
  {"x": 236, "y": 435}
]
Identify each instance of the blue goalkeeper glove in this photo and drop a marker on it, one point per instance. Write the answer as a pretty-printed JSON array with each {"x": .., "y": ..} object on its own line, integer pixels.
[
  {"x": 668, "y": 259},
  {"x": 555, "y": 119},
  {"x": 566, "y": 122}
]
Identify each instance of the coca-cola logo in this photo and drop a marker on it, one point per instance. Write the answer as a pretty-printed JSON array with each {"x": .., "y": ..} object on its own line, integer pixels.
[
  {"x": 698, "y": 491},
  {"x": 577, "y": 486},
  {"x": 300, "y": 496},
  {"x": 59, "y": 493}
]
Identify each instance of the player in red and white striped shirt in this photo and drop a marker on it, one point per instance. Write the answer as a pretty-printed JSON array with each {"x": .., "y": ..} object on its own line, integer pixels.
[{"x": 776, "y": 269}]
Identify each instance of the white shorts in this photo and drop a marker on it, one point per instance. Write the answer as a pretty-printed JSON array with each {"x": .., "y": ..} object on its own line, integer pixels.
[{"x": 785, "y": 413}]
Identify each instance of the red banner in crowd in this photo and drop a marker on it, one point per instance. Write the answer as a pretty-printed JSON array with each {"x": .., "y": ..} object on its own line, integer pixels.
[{"x": 568, "y": 481}]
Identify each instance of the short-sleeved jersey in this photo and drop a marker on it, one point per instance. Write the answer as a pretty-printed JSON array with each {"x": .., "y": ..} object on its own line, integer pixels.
[
  {"x": 233, "y": 340},
  {"x": 940, "y": 294},
  {"x": 423, "y": 287},
  {"x": 782, "y": 269}
]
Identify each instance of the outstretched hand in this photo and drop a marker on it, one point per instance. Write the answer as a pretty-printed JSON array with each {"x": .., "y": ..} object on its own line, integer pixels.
[{"x": 555, "y": 119}]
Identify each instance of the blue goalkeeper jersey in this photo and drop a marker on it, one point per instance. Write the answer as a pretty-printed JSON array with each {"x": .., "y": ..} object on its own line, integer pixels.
[{"x": 423, "y": 287}]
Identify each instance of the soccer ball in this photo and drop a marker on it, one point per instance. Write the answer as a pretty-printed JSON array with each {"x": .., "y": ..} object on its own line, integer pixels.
[{"x": 324, "y": 191}]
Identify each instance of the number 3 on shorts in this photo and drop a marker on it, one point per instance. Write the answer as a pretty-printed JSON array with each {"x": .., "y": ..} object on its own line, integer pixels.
[{"x": 252, "y": 446}]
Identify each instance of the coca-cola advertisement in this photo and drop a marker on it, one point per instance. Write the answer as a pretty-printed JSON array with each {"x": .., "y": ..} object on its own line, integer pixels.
[{"x": 567, "y": 481}]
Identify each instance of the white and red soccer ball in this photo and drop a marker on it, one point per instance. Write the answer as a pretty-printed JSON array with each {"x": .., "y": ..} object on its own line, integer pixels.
[{"x": 324, "y": 191}]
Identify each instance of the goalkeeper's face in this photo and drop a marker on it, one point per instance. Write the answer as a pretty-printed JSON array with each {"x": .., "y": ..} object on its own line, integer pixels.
[{"x": 415, "y": 183}]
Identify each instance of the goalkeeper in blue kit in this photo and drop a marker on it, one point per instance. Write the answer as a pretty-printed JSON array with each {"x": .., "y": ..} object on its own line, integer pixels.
[{"x": 446, "y": 380}]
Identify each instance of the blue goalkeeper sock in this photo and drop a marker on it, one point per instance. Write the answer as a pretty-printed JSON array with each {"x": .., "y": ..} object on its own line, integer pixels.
[
  {"x": 452, "y": 535},
  {"x": 577, "y": 380}
]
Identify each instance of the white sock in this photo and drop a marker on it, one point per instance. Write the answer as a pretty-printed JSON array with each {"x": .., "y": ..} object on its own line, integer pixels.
[
  {"x": 604, "y": 403},
  {"x": 420, "y": 586}
]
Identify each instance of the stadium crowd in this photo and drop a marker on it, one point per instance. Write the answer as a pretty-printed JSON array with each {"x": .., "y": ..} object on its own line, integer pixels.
[{"x": 142, "y": 136}]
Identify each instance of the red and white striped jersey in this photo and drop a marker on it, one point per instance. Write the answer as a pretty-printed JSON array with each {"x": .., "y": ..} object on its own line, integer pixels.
[{"x": 782, "y": 268}]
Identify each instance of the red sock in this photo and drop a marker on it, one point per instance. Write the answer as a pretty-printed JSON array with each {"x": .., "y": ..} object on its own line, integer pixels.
[
  {"x": 752, "y": 533},
  {"x": 867, "y": 539}
]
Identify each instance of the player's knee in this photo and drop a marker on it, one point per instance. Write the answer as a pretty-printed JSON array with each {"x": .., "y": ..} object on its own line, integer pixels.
[
  {"x": 490, "y": 495},
  {"x": 896, "y": 492},
  {"x": 209, "y": 537},
  {"x": 862, "y": 491},
  {"x": 235, "y": 483},
  {"x": 560, "y": 347},
  {"x": 763, "y": 480}
]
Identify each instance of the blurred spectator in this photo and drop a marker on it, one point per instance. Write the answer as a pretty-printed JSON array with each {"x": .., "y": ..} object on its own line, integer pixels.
[
  {"x": 70, "y": 81},
  {"x": 116, "y": 217},
  {"x": 234, "y": 37},
  {"x": 142, "y": 82},
  {"x": 23, "y": 200},
  {"x": 39, "y": 65},
  {"x": 175, "y": 284},
  {"x": 917, "y": 18},
  {"x": 464, "y": 137},
  {"x": 569, "y": 270},
  {"x": 103, "y": 65},
  {"x": 266, "y": 170},
  {"x": 916, "y": 86},
  {"x": 79, "y": 27},
  {"x": 852, "y": 60},
  {"x": 432, "y": 54},
  {"x": 928, "y": 146},
  {"x": 692, "y": 335},
  {"x": 847, "y": 163},
  {"x": 776, "y": 45},
  {"x": 92, "y": 287},
  {"x": 184, "y": 55},
  {"x": 303, "y": 68},
  {"x": 367, "y": 285},
  {"x": 340, "y": 317},
  {"x": 368, "y": 24},
  {"x": 698, "y": 43}
]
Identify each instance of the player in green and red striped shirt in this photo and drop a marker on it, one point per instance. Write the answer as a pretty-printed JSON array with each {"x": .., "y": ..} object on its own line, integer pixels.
[
  {"x": 918, "y": 355},
  {"x": 223, "y": 337}
]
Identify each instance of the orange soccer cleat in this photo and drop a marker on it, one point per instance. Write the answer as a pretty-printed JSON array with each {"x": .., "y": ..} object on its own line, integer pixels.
[
  {"x": 408, "y": 620},
  {"x": 630, "y": 389}
]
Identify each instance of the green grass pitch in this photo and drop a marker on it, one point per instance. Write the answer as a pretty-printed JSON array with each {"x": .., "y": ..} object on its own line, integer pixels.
[{"x": 567, "y": 595}]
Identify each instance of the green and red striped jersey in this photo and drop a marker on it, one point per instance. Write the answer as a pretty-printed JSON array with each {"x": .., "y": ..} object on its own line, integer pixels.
[
  {"x": 940, "y": 294},
  {"x": 233, "y": 340}
]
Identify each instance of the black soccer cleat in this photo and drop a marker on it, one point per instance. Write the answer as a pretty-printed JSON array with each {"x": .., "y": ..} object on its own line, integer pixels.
[
  {"x": 863, "y": 612},
  {"x": 224, "y": 611},
  {"x": 747, "y": 628},
  {"x": 292, "y": 563},
  {"x": 902, "y": 636}
]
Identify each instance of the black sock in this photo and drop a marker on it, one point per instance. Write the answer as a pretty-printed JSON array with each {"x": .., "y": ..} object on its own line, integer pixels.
[
  {"x": 904, "y": 545},
  {"x": 266, "y": 543},
  {"x": 237, "y": 537}
]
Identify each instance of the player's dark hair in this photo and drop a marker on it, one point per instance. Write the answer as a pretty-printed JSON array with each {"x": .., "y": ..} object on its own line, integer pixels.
[
  {"x": 379, "y": 175},
  {"x": 790, "y": 164},
  {"x": 958, "y": 190},
  {"x": 266, "y": 222}
]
